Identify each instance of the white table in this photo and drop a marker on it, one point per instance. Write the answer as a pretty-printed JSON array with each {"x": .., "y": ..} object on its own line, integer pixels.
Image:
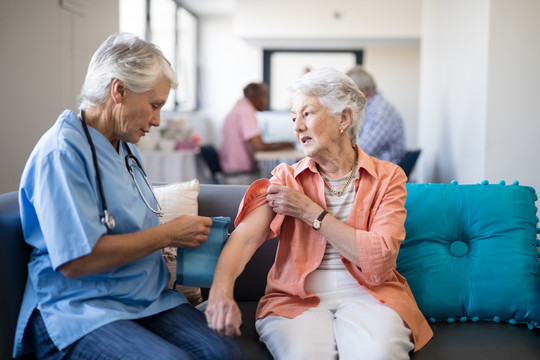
[
  {"x": 170, "y": 166},
  {"x": 268, "y": 160}
]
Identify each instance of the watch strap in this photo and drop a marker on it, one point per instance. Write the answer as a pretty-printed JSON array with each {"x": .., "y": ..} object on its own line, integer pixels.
[
  {"x": 317, "y": 222},
  {"x": 322, "y": 215}
]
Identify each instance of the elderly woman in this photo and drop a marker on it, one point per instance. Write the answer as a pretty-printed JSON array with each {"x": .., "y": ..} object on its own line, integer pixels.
[
  {"x": 97, "y": 282},
  {"x": 333, "y": 290}
]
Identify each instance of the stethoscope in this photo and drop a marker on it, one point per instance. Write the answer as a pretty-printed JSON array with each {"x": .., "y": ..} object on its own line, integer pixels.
[{"x": 107, "y": 219}]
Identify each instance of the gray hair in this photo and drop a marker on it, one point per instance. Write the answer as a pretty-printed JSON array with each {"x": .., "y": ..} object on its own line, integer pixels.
[
  {"x": 137, "y": 63},
  {"x": 363, "y": 79},
  {"x": 337, "y": 92}
]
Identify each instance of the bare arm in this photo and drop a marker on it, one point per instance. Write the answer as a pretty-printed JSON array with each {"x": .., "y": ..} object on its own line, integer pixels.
[
  {"x": 114, "y": 251},
  {"x": 259, "y": 145},
  {"x": 222, "y": 312}
]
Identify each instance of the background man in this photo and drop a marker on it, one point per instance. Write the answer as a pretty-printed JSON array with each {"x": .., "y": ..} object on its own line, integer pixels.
[
  {"x": 242, "y": 136},
  {"x": 382, "y": 134}
]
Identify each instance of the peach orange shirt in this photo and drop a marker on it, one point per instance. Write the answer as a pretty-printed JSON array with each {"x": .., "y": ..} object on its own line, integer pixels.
[{"x": 378, "y": 216}]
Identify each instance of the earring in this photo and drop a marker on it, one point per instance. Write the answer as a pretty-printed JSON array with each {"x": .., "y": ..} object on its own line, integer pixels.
[{"x": 341, "y": 131}]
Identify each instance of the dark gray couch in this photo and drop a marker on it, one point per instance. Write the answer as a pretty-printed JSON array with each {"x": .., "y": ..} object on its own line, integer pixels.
[{"x": 462, "y": 341}]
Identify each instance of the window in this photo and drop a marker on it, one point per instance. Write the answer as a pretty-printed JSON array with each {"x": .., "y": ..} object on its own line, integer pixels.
[
  {"x": 175, "y": 30},
  {"x": 186, "y": 60},
  {"x": 280, "y": 66}
]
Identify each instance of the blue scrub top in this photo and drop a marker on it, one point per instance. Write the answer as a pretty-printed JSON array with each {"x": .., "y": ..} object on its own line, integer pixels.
[{"x": 60, "y": 210}]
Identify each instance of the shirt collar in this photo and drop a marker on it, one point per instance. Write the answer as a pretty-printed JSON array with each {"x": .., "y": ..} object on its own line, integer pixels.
[{"x": 364, "y": 161}]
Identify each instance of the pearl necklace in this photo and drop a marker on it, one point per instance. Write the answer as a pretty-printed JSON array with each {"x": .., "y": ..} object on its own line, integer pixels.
[{"x": 340, "y": 192}]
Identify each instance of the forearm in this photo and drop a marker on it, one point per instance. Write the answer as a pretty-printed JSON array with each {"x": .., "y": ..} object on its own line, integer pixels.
[
  {"x": 240, "y": 247},
  {"x": 279, "y": 145},
  {"x": 342, "y": 237},
  {"x": 259, "y": 145},
  {"x": 222, "y": 313},
  {"x": 231, "y": 263},
  {"x": 114, "y": 251},
  {"x": 379, "y": 238}
]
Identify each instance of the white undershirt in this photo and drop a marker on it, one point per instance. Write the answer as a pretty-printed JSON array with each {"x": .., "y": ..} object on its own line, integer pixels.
[{"x": 340, "y": 207}]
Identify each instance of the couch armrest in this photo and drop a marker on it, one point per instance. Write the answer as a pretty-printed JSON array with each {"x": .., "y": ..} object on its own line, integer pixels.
[{"x": 14, "y": 255}]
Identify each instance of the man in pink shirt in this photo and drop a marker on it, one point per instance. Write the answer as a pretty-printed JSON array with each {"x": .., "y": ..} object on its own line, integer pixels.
[{"x": 242, "y": 136}]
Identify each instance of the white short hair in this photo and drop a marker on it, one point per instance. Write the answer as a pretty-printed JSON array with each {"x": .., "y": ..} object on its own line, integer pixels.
[
  {"x": 336, "y": 91},
  {"x": 137, "y": 63}
]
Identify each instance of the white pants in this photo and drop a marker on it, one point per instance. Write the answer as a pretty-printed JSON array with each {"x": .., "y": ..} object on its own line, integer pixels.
[{"x": 349, "y": 323}]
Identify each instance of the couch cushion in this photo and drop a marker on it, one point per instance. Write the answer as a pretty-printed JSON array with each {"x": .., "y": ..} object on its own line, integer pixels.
[
  {"x": 482, "y": 340},
  {"x": 470, "y": 252}
]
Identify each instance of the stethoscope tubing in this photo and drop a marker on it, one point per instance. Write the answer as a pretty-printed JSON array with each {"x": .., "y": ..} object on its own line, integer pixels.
[{"x": 106, "y": 219}]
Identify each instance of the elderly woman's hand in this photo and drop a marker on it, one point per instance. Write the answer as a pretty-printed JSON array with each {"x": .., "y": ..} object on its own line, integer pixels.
[
  {"x": 222, "y": 313},
  {"x": 290, "y": 202}
]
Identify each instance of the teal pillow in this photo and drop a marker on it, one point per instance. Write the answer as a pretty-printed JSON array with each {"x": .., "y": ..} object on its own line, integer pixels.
[{"x": 470, "y": 253}]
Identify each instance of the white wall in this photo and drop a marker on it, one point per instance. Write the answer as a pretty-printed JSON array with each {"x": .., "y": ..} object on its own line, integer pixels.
[
  {"x": 453, "y": 90},
  {"x": 45, "y": 52},
  {"x": 479, "y": 108},
  {"x": 513, "y": 97}
]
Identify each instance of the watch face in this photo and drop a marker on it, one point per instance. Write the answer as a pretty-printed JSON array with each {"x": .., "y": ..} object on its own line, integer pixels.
[{"x": 316, "y": 224}]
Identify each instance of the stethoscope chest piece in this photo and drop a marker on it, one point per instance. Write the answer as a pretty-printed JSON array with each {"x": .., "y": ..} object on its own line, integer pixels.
[{"x": 108, "y": 220}]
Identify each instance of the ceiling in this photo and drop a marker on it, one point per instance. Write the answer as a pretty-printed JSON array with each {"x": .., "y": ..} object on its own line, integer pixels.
[{"x": 210, "y": 7}]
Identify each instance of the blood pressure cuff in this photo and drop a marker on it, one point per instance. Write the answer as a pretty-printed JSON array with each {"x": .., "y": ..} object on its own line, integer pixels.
[{"x": 196, "y": 267}]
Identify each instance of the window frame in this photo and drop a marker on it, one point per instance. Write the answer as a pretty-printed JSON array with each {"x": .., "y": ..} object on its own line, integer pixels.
[{"x": 175, "y": 60}]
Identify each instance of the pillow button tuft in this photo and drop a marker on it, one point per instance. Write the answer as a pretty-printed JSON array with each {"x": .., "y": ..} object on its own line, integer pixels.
[{"x": 459, "y": 248}]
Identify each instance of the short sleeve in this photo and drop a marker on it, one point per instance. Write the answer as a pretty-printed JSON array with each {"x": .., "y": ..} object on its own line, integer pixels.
[
  {"x": 254, "y": 197},
  {"x": 66, "y": 207}
]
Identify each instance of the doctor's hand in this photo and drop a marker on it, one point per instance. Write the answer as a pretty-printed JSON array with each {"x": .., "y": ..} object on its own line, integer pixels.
[
  {"x": 188, "y": 231},
  {"x": 222, "y": 313}
]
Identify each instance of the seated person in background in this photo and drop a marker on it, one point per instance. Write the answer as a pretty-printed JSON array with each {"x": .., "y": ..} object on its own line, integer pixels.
[
  {"x": 242, "y": 136},
  {"x": 97, "y": 286},
  {"x": 333, "y": 290},
  {"x": 382, "y": 134}
]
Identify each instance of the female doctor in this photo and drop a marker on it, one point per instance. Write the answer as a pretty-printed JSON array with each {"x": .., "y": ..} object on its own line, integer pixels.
[{"x": 97, "y": 282}]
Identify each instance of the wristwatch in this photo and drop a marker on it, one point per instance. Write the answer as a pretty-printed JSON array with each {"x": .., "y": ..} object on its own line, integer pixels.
[{"x": 317, "y": 222}]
